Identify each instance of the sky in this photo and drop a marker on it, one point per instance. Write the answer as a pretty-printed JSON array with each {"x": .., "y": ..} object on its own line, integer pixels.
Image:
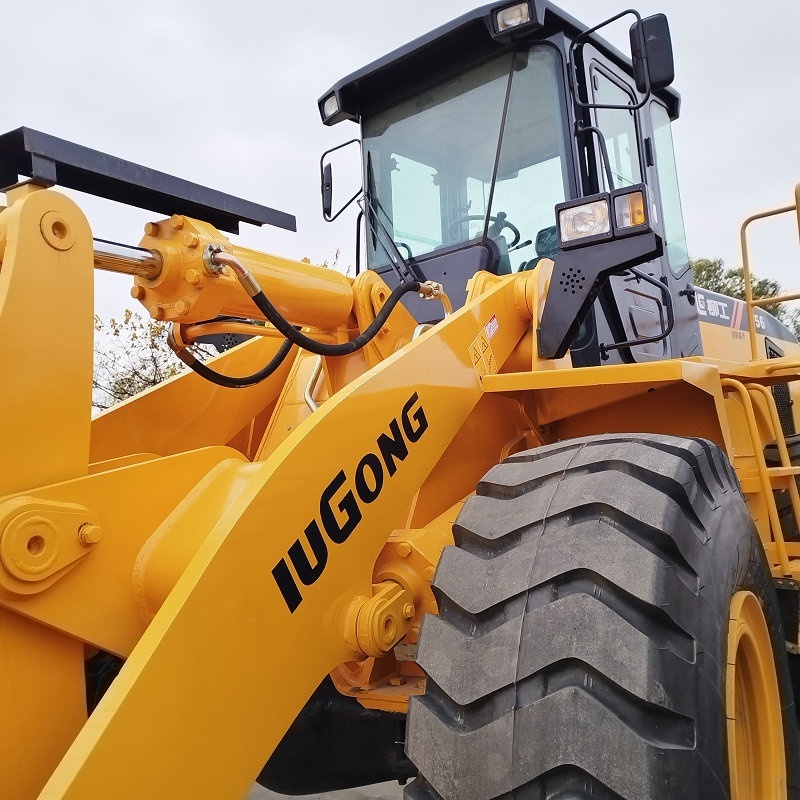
[{"x": 225, "y": 94}]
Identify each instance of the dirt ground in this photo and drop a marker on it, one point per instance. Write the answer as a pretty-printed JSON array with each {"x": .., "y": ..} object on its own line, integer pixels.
[{"x": 380, "y": 791}]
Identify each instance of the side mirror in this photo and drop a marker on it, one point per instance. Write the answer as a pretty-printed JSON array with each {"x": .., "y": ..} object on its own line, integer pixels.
[
  {"x": 651, "y": 51},
  {"x": 327, "y": 190},
  {"x": 348, "y": 160}
]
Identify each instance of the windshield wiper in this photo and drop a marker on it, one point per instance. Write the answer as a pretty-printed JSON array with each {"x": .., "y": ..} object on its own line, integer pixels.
[{"x": 402, "y": 267}]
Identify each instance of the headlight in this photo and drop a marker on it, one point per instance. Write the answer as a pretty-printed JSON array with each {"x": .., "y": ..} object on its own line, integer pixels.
[
  {"x": 583, "y": 222},
  {"x": 512, "y": 17},
  {"x": 330, "y": 106},
  {"x": 622, "y": 213}
]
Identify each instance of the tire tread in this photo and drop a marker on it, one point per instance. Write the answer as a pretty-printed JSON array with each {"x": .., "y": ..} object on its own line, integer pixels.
[{"x": 581, "y": 546}]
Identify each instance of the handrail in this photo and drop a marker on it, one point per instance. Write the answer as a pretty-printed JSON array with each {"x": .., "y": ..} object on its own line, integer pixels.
[
  {"x": 773, "y": 523},
  {"x": 748, "y": 281},
  {"x": 308, "y": 394},
  {"x": 780, "y": 443}
]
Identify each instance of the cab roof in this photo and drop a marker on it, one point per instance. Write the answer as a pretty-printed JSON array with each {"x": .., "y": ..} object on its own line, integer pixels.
[{"x": 453, "y": 47}]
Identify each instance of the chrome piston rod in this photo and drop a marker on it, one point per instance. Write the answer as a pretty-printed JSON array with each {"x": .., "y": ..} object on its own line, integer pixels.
[{"x": 127, "y": 260}]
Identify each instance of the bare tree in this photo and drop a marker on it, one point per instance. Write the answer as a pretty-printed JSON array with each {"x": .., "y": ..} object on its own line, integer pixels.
[{"x": 130, "y": 355}]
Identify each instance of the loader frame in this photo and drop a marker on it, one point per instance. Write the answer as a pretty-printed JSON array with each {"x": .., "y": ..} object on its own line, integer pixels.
[
  {"x": 170, "y": 545},
  {"x": 240, "y": 551}
]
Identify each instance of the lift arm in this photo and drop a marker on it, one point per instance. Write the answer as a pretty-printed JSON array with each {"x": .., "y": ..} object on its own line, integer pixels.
[{"x": 226, "y": 628}]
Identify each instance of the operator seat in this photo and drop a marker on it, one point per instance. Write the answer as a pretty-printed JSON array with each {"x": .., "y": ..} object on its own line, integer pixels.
[{"x": 546, "y": 246}]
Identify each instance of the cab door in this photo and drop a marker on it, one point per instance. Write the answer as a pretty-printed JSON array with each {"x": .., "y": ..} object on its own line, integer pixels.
[
  {"x": 662, "y": 177},
  {"x": 634, "y": 310}
]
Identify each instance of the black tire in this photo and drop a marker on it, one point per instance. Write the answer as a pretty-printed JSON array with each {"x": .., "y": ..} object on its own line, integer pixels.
[{"x": 580, "y": 647}]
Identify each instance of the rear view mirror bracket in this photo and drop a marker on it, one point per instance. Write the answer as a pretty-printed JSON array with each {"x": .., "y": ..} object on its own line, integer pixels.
[
  {"x": 326, "y": 183},
  {"x": 651, "y": 54}
]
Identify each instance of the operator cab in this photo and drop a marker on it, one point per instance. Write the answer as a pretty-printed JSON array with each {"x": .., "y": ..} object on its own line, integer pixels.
[
  {"x": 470, "y": 167},
  {"x": 472, "y": 134}
]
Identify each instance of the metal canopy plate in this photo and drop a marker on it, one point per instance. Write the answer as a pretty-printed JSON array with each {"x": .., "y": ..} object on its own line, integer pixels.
[{"x": 48, "y": 161}]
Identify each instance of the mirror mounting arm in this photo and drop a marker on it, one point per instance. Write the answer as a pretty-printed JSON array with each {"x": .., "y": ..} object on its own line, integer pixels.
[
  {"x": 582, "y": 37},
  {"x": 651, "y": 54},
  {"x": 326, "y": 183}
]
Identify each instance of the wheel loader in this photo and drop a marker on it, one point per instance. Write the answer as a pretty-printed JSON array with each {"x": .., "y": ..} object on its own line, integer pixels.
[{"x": 513, "y": 512}]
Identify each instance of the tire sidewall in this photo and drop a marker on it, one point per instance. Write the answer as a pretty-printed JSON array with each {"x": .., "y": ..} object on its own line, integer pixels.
[{"x": 736, "y": 562}]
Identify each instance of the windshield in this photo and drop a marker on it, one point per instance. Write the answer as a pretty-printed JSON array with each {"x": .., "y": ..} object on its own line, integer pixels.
[{"x": 446, "y": 166}]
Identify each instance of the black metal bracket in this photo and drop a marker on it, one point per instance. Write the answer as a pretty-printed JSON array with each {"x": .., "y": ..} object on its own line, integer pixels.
[
  {"x": 326, "y": 180},
  {"x": 578, "y": 275},
  {"x": 583, "y": 37},
  {"x": 48, "y": 161}
]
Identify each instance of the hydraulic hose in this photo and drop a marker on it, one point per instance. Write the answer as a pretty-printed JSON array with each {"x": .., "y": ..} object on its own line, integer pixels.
[
  {"x": 321, "y": 348},
  {"x": 219, "y": 257},
  {"x": 230, "y": 382},
  {"x": 215, "y": 258}
]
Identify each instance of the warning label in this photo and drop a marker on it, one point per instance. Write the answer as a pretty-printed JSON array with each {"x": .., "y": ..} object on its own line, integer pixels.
[
  {"x": 482, "y": 355},
  {"x": 492, "y": 326}
]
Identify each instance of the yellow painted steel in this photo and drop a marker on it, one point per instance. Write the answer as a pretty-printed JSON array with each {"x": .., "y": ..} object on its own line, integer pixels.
[
  {"x": 101, "y": 600},
  {"x": 187, "y": 291},
  {"x": 374, "y": 625},
  {"x": 756, "y": 755},
  {"x": 770, "y": 529},
  {"x": 226, "y": 609},
  {"x": 624, "y": 397},
  {"x": 187, "y": 412},
  {"x": 46, "y": 249},
  {"x": 748, "y": 282},
  {"x": 724, "y": 343},
  {"x": 46, "y": 275},
  {"x": 408, "y": 558},
  {"x": 42, "y": 692},
  {"x": 371, "y": 293},
  {"x": 143, "y": 534}
]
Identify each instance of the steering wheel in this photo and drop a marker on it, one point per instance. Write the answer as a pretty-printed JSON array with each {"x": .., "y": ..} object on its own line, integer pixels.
[{"x": 500, "y": 224}]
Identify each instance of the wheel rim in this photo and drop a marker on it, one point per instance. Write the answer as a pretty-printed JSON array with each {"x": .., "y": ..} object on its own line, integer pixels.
[{"x": 754, "y": 724}]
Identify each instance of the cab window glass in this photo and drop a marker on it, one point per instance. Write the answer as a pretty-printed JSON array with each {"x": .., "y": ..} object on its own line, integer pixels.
[
  {"x": 619, "y": 131},
  {"x": 437, "y": 161},
  {"x": 417, "y": 224},
  {"x": 421, "y": 153},
  {"x": 532, "y": 166},
  {"x": 674, "y": 232}
]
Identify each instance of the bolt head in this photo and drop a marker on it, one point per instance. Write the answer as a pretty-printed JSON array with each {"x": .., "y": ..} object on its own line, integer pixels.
[
  {"x": 403, "y": 549},
  {"x": 151, "y": 229},
  {"x": 89, "y": 534},
  {"x": 408, "y": 611}
]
